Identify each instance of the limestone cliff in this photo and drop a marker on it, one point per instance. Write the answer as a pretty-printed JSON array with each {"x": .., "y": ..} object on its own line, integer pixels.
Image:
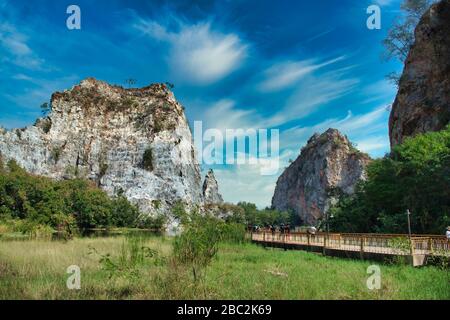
[
  {"x": 326, "y": 163},
  {"x": 136, "y": 142},
  {"x": 423, "y": 100},
  {"x": 211, "y": 193}
]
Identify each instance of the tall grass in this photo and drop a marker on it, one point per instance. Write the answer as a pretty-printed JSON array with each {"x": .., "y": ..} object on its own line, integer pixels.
[{"x": 37, "y": 270}]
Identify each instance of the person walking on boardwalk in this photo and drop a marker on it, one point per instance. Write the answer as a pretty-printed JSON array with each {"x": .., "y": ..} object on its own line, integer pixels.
[{"x": 447, "y": 233}]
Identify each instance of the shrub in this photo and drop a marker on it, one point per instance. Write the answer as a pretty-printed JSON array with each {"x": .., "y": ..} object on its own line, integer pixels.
[
  {"x": 33, "y": 229},
  {"x": 56, "y": 154},
  {"x": 403, "y": 247},
  {"x": 103, "y": 169},
  {"x": 124, "y": 214},
  {"x": 232, "y": 232},
  {"x": 133, "y": 254},
  {"x": 46, "y": 108},
  {"x": 198, "y": 243},
  {"x": 44, "y": 124},
  {"x": 153, "y": 223},
  {"x": 147, "y": 162}
]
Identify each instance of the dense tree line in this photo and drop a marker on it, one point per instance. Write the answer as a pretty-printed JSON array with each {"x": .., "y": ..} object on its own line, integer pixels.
[
  {"x": 77, "y": 203},
  {"x": 415, "y": 176},
  {"x": 265, "y": 217}
]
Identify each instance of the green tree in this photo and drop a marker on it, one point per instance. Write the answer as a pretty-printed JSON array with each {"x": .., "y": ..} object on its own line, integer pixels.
[
  {"x": 46, "y": 108},
  {"x": 124, "y": 214},
  {"x": 130, "y": 82},
  {"x": 416, "y": 176},
  {"x": 251, "y": 214},
  {"x": 400, "y": 36},
  {"x": 43, "y": 201}
]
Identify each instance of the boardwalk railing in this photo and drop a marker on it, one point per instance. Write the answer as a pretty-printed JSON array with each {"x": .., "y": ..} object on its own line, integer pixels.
[{"x": 363, "y": 242}]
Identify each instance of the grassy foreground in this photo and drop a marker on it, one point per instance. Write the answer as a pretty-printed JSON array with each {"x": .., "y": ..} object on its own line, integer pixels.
[{"x": 37, "y": 270}]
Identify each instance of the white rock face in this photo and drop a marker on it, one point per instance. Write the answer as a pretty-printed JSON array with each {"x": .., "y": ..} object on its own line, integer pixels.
[{"x": 101, "y": 132}]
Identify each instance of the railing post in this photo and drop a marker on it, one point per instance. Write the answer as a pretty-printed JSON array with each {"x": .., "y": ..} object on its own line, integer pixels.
[
  {"x": 362, "y": 248},
  {"x": 324, "y": 251},
  {"x": 309, "y": 241}
]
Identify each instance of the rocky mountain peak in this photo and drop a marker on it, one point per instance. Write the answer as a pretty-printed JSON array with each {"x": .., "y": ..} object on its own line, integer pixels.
[
  {"x": 423, "y": 99},
  {"x": 211, "y": 193},
  {"x": 135, "y": 142},
  {"x": 328, "y": 161}
]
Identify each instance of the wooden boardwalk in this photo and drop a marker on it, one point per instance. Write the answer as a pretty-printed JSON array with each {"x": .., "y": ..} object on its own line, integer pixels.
[{"x": 363, "y": 245}]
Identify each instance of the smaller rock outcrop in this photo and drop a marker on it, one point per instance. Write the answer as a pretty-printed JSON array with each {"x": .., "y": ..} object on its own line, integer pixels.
[
  {"x": 423, "y": 100},
  {"x": 211, "y": 193},
  {"x": 328, "y": 162}
]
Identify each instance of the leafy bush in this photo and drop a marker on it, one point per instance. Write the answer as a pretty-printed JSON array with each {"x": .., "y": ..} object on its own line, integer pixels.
[
  {"x": 60, "y": 204},
  {"x": 56, "y": 154},
  {"x": 416, "y": 176},
  {"x": 403, "y": 247},
  {"x": 198, "y": 243},
  {"x": 46, "y": 108},
  {"x": 2, "y": 164},
  {"x": 124, "y": 214},
  {"x": 153, "y": 223},
  {"x": 147, "y": 161},
  {"x": 232, "y": 232},
  {"x": 133, "y": 254}
]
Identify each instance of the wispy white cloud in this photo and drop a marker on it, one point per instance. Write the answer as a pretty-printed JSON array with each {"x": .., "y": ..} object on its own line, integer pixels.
[
  {"x": 197, "y": 52},
  {"x": 373, "y": 144},
  {"x": 362, "y": 125},
  {"x": 16, "y": 49},
  {"x": 312, "y": 94},
  {"x": 225, "y": 115},
  {"x": 40, "y": 91},
  {"x": 245, "y": 182},
  {"x": 21, "y": 76},
  {"x": 384, "y": 2},
  {"x": 287, "y": 73}
]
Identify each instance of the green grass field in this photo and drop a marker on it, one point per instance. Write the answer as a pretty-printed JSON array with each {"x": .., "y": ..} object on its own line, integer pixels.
[{"x": 37, "y": 270}]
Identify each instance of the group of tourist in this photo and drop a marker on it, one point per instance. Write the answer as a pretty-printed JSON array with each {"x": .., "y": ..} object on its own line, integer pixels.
[{"x": 282, "y": 228}]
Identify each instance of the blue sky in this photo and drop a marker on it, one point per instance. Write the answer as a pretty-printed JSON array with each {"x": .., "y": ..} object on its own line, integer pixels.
[{"x": 298, "y": 66}]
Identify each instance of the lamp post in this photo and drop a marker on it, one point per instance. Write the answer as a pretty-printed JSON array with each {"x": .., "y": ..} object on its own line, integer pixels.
[{"x": 408, "y": 214}]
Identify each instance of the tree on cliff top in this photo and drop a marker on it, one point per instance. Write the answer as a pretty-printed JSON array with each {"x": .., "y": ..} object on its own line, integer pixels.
[{"x": 400, "y": 37}]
